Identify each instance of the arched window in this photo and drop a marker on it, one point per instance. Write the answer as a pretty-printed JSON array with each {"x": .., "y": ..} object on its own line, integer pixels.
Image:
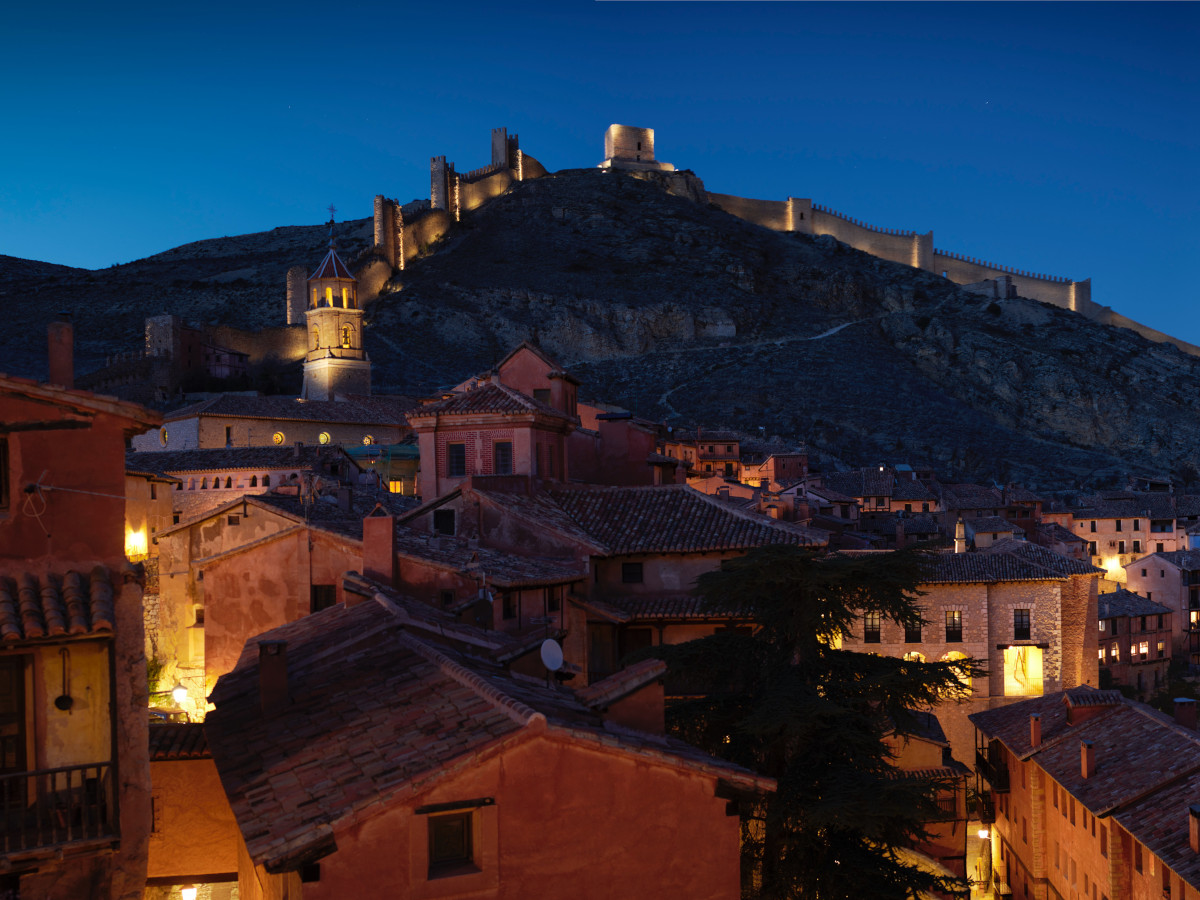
[
  {"x": 191, "y": 484},
  {"x": 253, "y": 481},
  {"x": 228, "y": 482},
  {"x": 345, "y": 298},
  {"x": 347, "y": 336},
  {"x": 954, "y": 656},
  {"x": 914, "y": 656},
  {"x": 179, "y": 485},
  {"x": 204, "y": 484},
  {"x": 328, "y": 295},
  {"x": 266, "y": 481},
  {"x": 316, "y": 339}
]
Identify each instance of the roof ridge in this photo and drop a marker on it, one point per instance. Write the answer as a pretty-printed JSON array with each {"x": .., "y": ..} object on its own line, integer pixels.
[{"x": 516, "y": 710}]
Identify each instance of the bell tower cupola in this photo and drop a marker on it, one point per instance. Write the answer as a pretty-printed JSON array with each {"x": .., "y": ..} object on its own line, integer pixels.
[{"x": 336, "y": 362}]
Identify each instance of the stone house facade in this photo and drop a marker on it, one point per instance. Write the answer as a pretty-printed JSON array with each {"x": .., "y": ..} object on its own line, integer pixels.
[{"x": 1136, "y": 641}]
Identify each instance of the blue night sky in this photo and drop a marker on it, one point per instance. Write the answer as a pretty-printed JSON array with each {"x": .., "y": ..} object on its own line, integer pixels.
[{"x": 1061, "y": 139}]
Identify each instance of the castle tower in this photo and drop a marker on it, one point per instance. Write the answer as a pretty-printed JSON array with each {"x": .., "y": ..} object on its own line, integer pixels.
[{"x": 336, "y": 362}]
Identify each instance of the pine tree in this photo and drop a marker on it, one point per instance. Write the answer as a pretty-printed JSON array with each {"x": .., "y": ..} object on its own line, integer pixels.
[{"x": 787, "y": 702}]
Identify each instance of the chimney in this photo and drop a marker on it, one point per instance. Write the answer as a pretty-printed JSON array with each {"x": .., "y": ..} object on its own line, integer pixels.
[
  {"x": 272, "y": 676},
  {"x": 1194, "y": 828},
  {"x": 345, "y": 498},
  {"x": 379, "y": 546},
  {"x": 900, "y": 542},
  {"x": 1035, "y": 730},
  {"x": 960, "y": 537},
  {"x": 61, "y": 336},
  {"x": 298, "y": 449},
  {"x": 1185, "y": 712},
  {"x": 1087, "y": 759}
]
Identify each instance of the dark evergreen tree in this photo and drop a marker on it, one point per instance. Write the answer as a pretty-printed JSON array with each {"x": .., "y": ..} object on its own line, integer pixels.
[{"x": 787, "y": 702}]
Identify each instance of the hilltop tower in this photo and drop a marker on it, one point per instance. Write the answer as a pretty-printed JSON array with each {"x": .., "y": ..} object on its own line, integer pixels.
[{"x": 336, "y": 362}]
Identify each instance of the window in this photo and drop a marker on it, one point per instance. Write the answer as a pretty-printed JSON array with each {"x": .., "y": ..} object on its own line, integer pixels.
[
  {"x": 266, "y": 481},
  {"x": 912, "y": 632},
  {"x": 1118, "y": 525},
  {"x": 153, "y": 493},
  {"x": 278, "y": 437},
  {"x": 321, "y": 596},
  {"x": 1102, "y": 624},
  {"x": 1114, "y": 627},
  {"x": 1137, "y": 546},
  {"x": 347, "y": 336},
  {"x": 1103, "y": 841},
  {"x": 456, "y": 460},
  {"x": 1093, "y": 526},
  {"x": 924, "y": 507},
  {"x": 508, "y": 603},
  {"x": 1158, "y": 548},
  {"x": 1143, "y": 650},
  {"x": 1116, "y": 652},
  {"x": 1020, "y": 624},
  {"x": 953, "y": 626},
  {"x": 502, "y": 461},
  {"x": 1143, "y": 573},
  {"x": 1137, "y": 525},
  {"x": 1161, "y": 649},
  {"x": 175, "y": 518},
  {"x": 228, "y": 481},
  {"x": 233, "y": 520},
  {"x": 228, "y": 435},
  {"x": 443, "y": 521},
  {"x": 631, "y": 573},
  {"x": 1022, "y": 671},
  {"x": 1142, "y": 620},
  {"x": 542, "y": 395},
  {"x": 447, "y": 598},
  {"x": 253, "y": 481},
  {"x": 1137, "y": 856},
  {"x": 451, "y": 843},
  {"x": 871, "y": 623},
  {"x": 1159, "y": 620},
  {"x": 908, "y": 507}
]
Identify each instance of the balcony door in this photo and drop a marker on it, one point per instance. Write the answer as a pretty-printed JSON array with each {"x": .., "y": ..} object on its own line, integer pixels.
[{"x": 12, "y": 714}]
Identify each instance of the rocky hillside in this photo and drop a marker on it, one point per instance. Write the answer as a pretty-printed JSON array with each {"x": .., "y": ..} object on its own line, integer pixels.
[{"x": 685, "y": 313}]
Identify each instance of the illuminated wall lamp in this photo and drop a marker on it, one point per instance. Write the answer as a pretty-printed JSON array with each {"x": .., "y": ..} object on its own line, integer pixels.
[
  {"x": 179, "y": 694},
  {"x": 188, "y": 893}
]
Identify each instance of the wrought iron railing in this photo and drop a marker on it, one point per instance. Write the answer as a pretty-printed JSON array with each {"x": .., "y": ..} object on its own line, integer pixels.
[{"x": 49, "y": 807}]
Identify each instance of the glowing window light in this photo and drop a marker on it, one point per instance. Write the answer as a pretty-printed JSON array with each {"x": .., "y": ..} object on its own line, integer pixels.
[
  {"x": 1022, "y": 671},
  {"x": 135, "y": 544}
]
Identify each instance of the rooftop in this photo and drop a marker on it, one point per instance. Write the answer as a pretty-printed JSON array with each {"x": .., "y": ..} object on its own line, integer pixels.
[
  {"x": 387, "y": 411},
  {"x": 163, "y": 462},
  {"x": 54, "y": 607},
  {"x": 1126, "y": 603},
  {"x": 491, "y": 397},
  {"x": 377, "y": 715}
]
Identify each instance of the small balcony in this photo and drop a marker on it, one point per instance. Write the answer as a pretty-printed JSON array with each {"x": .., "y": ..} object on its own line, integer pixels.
[
  {"x": 989, "y": 765},
  {"x": 57, "y": 809}
]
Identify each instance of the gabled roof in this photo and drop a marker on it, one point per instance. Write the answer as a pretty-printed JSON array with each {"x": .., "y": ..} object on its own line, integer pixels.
[
  {"x": 377, "y": 716},
  {"x": 492, "y": 397},
  {"x": 970, "y": 496},
  {"x": 331, "y": 267},
  {"x": 1056, "y": 532},
  {"x": 866, "y": 482},
  {"x": 556, "y": 370},
  {"x": 1188, "y": 560},
  {"x": 53, "y": 607},
  {"x": 1127, "y": 505}
]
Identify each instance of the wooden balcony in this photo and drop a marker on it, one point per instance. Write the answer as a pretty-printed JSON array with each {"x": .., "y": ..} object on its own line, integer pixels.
[
  {"x": 57, "y": 809},
  {"x": 989, "y": 765}
]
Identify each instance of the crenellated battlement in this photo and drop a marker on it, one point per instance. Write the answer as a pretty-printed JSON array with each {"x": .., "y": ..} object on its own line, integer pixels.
[
  {"x": 1007, "y": 270},
  {"x": 860, "y": 223}
]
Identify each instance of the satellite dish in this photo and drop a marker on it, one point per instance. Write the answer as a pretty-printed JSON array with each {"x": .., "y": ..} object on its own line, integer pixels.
[{"x": 552, "y": 655}]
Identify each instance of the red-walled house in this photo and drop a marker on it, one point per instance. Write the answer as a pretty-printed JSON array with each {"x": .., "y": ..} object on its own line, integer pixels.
[
  {"x": 1135, "y": 641},
  {"x": 74, "y": 768},
  {"x": 640, "y": 547},
  {"x": 1094, "y": 796},
  {"x": 360, "y": 756}
]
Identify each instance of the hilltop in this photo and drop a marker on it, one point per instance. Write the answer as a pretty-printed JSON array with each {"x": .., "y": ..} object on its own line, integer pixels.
[{"x": 683, "y": 312}]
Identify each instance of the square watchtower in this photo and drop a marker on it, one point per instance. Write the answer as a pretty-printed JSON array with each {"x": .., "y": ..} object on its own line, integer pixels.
[{"x": 629, "y": 147}]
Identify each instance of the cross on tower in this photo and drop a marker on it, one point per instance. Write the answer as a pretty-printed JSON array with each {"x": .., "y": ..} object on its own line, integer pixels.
[{"x": 332, "y": 210}]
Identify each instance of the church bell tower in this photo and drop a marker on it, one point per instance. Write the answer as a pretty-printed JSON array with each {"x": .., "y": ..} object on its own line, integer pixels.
[{"x": 336, "y": 362}]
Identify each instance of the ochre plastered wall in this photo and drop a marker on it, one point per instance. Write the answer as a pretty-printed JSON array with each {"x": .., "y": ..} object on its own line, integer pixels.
[{"x": 195, "y": 832}]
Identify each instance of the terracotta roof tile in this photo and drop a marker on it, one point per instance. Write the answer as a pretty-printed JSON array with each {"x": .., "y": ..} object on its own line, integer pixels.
[
  {"x": 995, "y": 524},
  {"x": 971, "y": 496},
  {"x": 1126, "y": 603},
  {"x": 602, "y": 693},
  {"x": 385, "y": 411},
  {"x": 492, "y": 397},
  {"x": 176, "y": 741},
  {"x": 374, "y": 710},
  {"x": 34, "y": 608},
  {"x": 672, "y": 518},
  {"x": 673, "y": 607}
]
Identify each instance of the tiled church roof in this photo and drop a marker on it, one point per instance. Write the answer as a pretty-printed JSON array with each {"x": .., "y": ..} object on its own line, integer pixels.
[{"x": 488, "y": 398}]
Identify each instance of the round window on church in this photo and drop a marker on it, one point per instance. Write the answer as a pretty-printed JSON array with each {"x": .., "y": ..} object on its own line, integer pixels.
[
  {"x": 368, "y": 439},
  {"x": 323, "y": 437},
  {"x": 162, "y": 436},
  {"x": 277, "y": 437}
]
